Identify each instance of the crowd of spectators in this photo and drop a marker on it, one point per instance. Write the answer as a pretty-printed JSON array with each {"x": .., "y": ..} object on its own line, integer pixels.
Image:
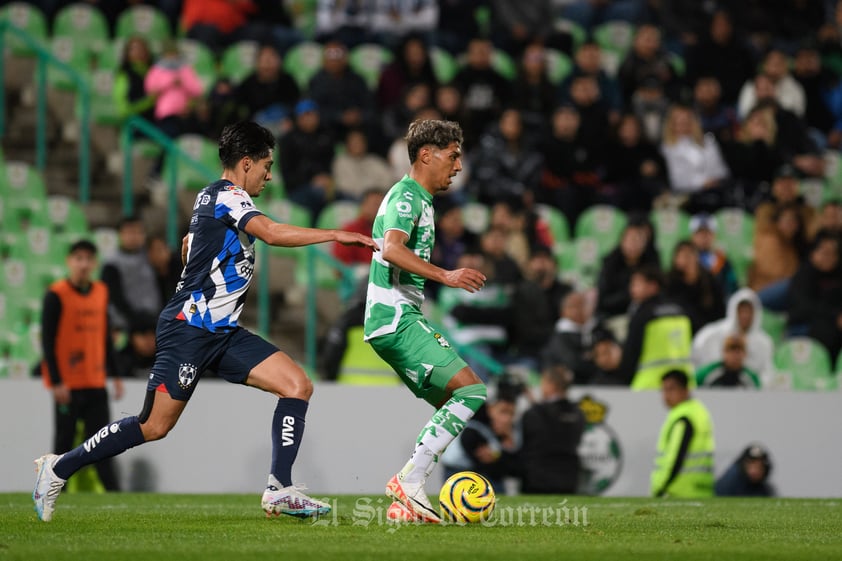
[{"x": 712, "y": 105}]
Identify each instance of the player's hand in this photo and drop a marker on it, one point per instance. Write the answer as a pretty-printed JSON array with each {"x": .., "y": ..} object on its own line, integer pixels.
[
  {"x": 353, "y": 238},
  {"x": 61, "y": 394},
  {"x": 467, "y": 279}
]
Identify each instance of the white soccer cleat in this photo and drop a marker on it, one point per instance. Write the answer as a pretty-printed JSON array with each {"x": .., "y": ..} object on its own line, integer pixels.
[
  {"x": 47, "y": 487},
  {"x": 290, "y": 500},
  {"x": 399, "y": 513},
  {"x": 413, "y": 497}
]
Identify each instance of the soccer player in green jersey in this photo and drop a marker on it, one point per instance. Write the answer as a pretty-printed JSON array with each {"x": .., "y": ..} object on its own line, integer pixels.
[{"x": 394, "y": 326}]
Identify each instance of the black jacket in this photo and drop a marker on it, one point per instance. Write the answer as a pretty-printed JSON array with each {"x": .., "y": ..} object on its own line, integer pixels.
[{"x": 551, "y": 435}]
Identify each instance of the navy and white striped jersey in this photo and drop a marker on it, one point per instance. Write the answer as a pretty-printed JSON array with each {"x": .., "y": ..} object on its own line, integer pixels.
[{"x": 220, "y": 260}]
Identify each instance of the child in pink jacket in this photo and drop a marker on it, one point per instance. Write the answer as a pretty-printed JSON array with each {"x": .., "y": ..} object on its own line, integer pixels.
[{"x": 175, "y": 85}]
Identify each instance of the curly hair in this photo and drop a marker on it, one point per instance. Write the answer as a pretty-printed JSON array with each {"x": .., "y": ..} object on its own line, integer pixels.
[{"x": 429, "y": 131}]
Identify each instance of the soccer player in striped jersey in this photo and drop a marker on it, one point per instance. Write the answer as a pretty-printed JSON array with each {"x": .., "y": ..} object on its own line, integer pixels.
[
  {"x": 199, "y": 330},
  {"x": 394, "y": 326}
]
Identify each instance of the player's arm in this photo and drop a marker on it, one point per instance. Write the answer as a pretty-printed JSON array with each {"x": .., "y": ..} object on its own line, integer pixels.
[
  {"x": 287, "y": 235},
  {"x": 185, "y": 246},
  {"x": 396, "y": 253},
  {"x": 50, "y": 315}
]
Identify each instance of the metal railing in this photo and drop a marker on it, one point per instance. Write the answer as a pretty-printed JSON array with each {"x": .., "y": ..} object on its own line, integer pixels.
[{"x": 45, "y": 59}]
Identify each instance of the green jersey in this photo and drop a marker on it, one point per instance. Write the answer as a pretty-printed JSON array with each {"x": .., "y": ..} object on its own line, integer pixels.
[{"x": 392, "y": 292}]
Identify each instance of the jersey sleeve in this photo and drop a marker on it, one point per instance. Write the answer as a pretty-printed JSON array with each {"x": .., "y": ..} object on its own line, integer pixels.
[
  {"x": 235, "y": 207},
  {"x": 403, "y": 210}
]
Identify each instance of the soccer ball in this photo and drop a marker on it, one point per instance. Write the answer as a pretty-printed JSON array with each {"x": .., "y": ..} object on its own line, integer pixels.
[{"x": 466, "y": 497}]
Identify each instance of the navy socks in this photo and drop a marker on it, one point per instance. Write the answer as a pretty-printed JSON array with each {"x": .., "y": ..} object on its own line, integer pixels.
[
  {"x": 109, "y": 441},
  {"x": 287, "y": 430}
]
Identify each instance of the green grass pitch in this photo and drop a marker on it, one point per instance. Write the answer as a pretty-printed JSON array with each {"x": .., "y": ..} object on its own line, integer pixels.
[{"x": 156, "y": 527}]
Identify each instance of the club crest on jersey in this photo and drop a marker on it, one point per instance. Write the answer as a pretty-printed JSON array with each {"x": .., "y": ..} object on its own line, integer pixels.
[
  {"x": 186, "y": 375},
  {"x": 441, "y": 340}
]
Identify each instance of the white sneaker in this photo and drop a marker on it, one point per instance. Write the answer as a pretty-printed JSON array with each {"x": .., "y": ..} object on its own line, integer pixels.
[
  {"x": 290, "y": 500},
  {"x": 47, "y": 486},
  {"x": 413, "y": 497}
]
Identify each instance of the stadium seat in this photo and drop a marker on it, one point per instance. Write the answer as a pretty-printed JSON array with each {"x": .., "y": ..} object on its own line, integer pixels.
[
  {"x": 337, "y": 213},
  {"x": 144, "y": 20},
  {"x": 238, "y": 60},
  {"x": 559, "y": 65},
  {"x": 602, "y": 223},
  {"x": 24, "y": 351},
  {"x": 671, "y": 226},
  {"x": 23, "y": 187},
  {"x": 203, "y": 151},
  {"x": 83, "y": 23},
  {"x": 103, "y": 107},
  {"x": 503, "y": 64},
  {"x": 475, "y": 217},
  {"x": 106, "y": 241},
  {"x": 804, "y": 364},
  {"x": 287, "y": 212},
  {"x": 558, "y": 225},
  {"x": 43, "y": 255},
  {"x": 774, "y": 323},
  {"x": 576, "y": 31},
  {"x": 75, "y": 55},
  {"x": 735, "y": 235},
  {"x": 580, "y": 261},
  {"x": 361, "y": 366},
  {"x": 615, "y": 36},
  {"x": 111, "y": 56},
  {"x": 302, "y": 61},
  {"x": 30, "y": 19},
  {"x": 444, "y": 65},
  {"x": 21, "y": 290},
  {"x": 368, "y": 60},
  {"x": 66, "y": 216},
  {"x": 202, "y": 59}
]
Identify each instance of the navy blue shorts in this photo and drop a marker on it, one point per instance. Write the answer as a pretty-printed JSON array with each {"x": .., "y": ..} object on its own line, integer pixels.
[{"x": 184, "y": 352}]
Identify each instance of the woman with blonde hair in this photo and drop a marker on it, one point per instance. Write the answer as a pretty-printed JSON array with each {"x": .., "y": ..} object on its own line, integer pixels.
[{"x": 695, "y": 167}]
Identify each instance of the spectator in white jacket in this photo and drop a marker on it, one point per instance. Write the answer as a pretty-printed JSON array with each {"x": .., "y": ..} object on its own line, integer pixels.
[
  {"x": 744, "y": 317},
  {"x": 788, "y": 92},
  {"x": 694, "y": 161}
]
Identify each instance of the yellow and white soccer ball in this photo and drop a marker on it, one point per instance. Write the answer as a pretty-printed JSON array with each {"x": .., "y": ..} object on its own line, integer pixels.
[{"x": 466, "y": 497}]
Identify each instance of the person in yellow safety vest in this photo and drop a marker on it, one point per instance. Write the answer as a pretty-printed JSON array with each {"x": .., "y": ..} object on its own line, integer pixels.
[
  {"x": 684, "y": 465},
  {"x": 659, "y": 336}
]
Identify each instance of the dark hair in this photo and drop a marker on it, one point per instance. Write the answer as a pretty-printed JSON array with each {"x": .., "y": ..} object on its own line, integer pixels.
[
  {"x": 679, "y": 376},
  {"x": 559, "y": 376},
  {"x": 436, "y": 132},
  {"x": 82, "y": 245},
  {"x": 130, "y": 219},
  {"x": 651, "y": 273},
  {"x": 244, "y": 139}
]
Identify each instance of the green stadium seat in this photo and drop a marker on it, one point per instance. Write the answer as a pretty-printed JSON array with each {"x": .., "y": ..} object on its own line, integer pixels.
[
  {"x": 580, "y": 261},
  {"x": 559, "y": 228},
  {"x": 106, "y": 241},
  {"x": 804, "y": 364},
  {"x": 671, "y": 226},
  {"x": 444, "y": 65},
  {"x": 735, "y": 235},
  {"x": 774, "y": 323},
  {"x": 144, "y": 20},
  {"x": 43, "y": 255},
  {"x": 85, "y": 24},
  {"x": 103, "y": 107},
  {"x": 576, "y": 31},
  {"x": 28, "y": 18},
  {"x": 602, "y": 223},
  {"x": 338, "y": 213},
  {"x": 368, "y": 60},
  {"x": 287, "y": 212},
  {"x": 23, "y": 186},
  {"x": 615, "y": 36},
  {"x": 238, "y": 60},
  {"x": 679, "y": 66},
  {"x": 75, "y": 55},
  {"x": 201, "y": 149},
  {"x": 559, "y": 65},
  {"x": 24, "y": 351},
  {"x": 21, "y": 289},
  {"x": 302, "y": 61},
  {"x": 66, "y": 216},
  {"x": 202, "y": 59},
  {"x": 110, "y": 57},
  {"x": 503, "y": 64},
  {"x": 476, "y": 217}
]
